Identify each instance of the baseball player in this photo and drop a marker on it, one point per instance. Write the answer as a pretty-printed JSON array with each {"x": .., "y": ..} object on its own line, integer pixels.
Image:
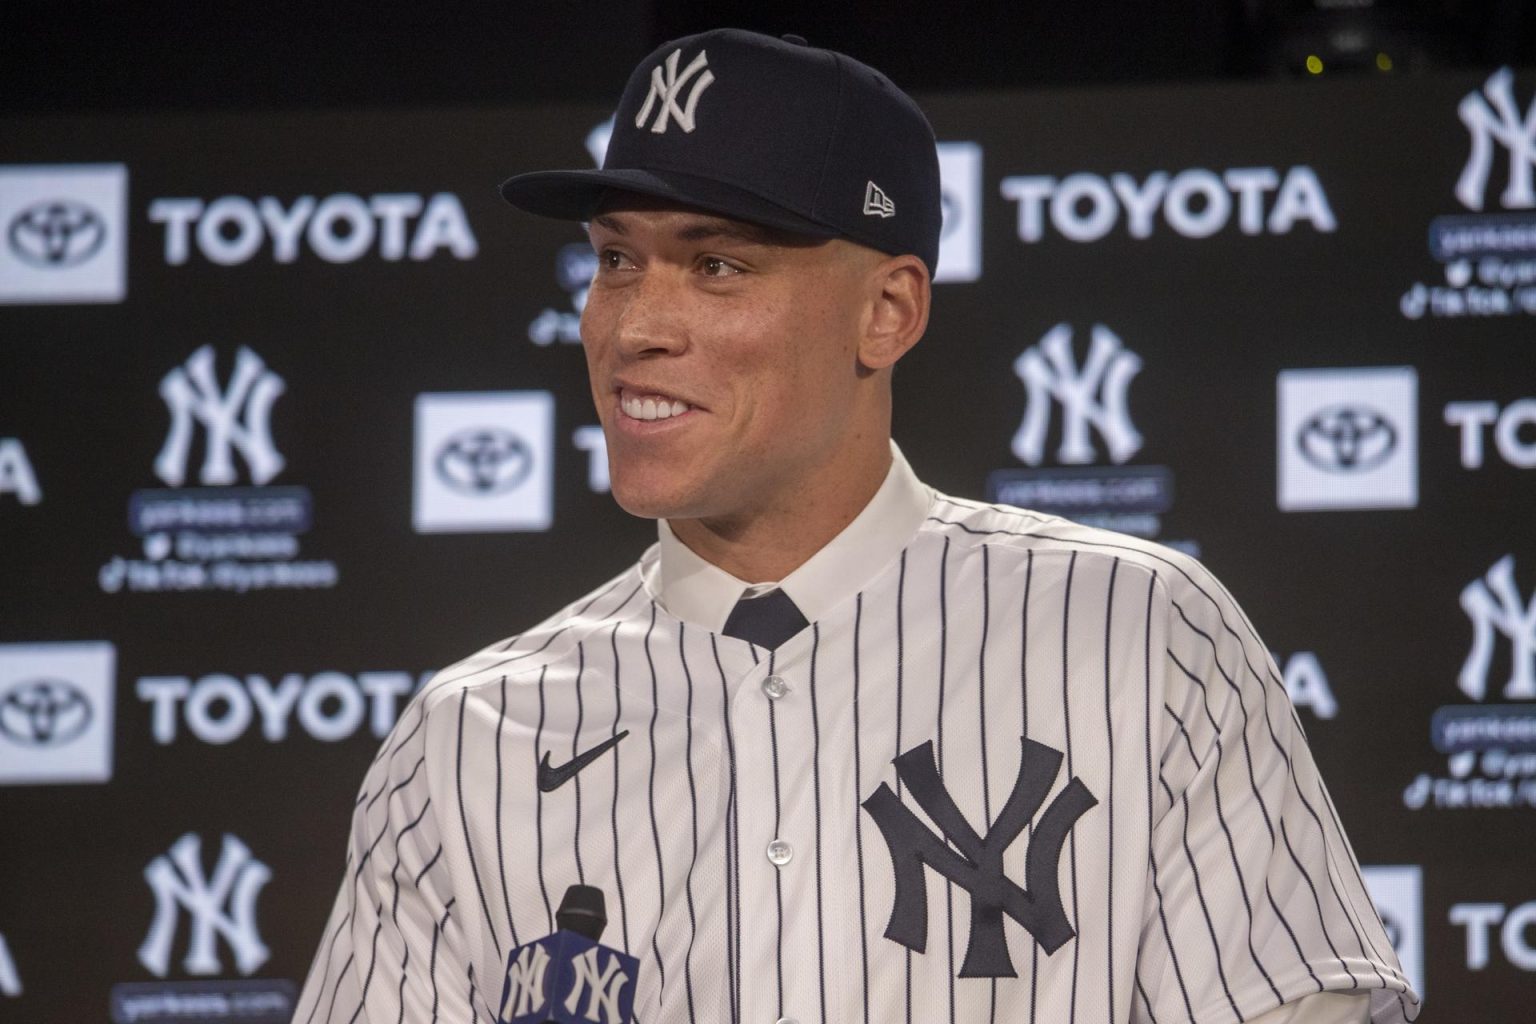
[{"x": 839, "y": 748}]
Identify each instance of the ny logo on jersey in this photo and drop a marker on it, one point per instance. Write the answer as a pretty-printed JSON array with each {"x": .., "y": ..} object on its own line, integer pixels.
[
  {"x": 666, "y": 88},
  {"x": 1490, "y": 116},
  {"x": 602, "y": 986},
  {"x": 524, "y": 989},
  {"x": 223, "y": 905},
  {"x": 1094, "y": 395},
  {"x": 193, "y": 392},
  {"x": 978, "y": 867},
  {"x": 1493, "y": 603}
]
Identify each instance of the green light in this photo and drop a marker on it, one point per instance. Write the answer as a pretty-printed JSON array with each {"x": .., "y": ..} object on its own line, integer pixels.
[
  {"x": 1383, "y": 62},
  {"x": 1314, "y": 64}
]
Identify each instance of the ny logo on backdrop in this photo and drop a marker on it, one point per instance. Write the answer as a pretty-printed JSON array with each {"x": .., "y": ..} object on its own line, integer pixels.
[
  {"x": 978, "y": 867},
  {"x": 666, "y": 88},
  {"x": 223, "y": 905},
  {"x": 1493, "y": 116},
  {"x": 235, "y": 418},
  {"x": 1493, "y": 604},
  {"x": 1093, "y": 395}
]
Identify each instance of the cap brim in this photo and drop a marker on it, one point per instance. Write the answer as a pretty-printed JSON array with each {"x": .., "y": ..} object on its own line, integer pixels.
[{"x": 575, "y": 195}]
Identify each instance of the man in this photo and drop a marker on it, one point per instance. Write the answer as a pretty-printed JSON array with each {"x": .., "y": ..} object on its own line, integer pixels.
[{"x": 839, "y": 748}]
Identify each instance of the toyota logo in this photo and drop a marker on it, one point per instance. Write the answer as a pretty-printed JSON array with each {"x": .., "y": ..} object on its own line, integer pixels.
[
  {"x": 1390, "y": 925},
  {"x": 1347, "y": 439},
  {"x": 44, "y": 712},
  {"x": 949, "y": 213},
  {"x": 56, "y": 233},
  {"x": 483, "y": 461}
]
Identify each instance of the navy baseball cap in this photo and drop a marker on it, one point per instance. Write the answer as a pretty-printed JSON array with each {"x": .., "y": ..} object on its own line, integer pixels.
[{"x": 768, "y": 131}]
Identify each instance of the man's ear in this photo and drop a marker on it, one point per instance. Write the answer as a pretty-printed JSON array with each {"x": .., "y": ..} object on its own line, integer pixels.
[{"x": 900, "y": 295}]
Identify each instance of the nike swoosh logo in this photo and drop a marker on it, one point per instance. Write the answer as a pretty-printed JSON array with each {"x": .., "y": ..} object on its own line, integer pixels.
[{"x": 551, "y": 779}]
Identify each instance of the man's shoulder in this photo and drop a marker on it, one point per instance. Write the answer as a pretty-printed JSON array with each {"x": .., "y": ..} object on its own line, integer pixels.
[
  {"x": 1179, "y": 582},
  {"x": 520, "y": 657},
  {"x": 972, "y": 524}
]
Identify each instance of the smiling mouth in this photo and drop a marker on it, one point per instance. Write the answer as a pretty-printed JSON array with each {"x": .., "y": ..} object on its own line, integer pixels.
[{"x": 651, "y": 407}]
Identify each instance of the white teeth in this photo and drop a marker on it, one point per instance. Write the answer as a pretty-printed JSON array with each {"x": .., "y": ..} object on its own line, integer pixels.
[{"x": 651, "y": 407}]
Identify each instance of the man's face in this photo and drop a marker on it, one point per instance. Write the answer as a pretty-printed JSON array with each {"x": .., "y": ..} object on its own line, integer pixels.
[{"x": 723, "y": 360}]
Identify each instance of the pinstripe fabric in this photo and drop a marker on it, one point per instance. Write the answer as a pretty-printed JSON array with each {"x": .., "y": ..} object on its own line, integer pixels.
[{"x": 1210, "y": 882}]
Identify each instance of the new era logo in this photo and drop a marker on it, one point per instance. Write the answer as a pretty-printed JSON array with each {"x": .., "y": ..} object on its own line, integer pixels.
[{"x": 876, "y": 202}]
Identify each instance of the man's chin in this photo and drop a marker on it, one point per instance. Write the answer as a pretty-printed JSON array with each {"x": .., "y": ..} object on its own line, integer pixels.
[{"x": 653, "y": 503}]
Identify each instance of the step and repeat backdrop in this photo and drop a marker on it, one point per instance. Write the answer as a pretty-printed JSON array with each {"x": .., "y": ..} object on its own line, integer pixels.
[{"x": 293, "y": 412}]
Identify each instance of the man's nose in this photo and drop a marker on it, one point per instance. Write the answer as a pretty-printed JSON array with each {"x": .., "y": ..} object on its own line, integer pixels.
[{"x": 650, "y": 322}]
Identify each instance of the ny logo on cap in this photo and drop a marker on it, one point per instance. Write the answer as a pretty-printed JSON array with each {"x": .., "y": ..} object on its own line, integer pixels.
[{"x": 667, "y": 87}]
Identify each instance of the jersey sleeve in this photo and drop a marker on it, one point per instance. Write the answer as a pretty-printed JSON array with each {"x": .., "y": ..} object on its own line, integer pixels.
[
  {"x": 1254, "y": 897},
  {"x": 392, "y": 949}
]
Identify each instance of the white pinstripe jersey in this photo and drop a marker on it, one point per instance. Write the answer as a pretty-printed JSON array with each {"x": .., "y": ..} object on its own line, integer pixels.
[{"x": 1209, "y": 880}]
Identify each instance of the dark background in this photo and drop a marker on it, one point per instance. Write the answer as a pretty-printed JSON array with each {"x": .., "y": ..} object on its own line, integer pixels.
[{"x": 72, "y": 55}]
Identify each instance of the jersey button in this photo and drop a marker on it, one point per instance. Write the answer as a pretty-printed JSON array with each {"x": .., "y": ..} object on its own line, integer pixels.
[
  {"x": 775, "y": 687},
  {"x": 780, "y": 852}
]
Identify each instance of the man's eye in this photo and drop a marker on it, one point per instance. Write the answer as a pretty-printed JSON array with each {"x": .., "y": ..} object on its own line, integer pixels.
[
  {"x": 714, "y": 266},
  {"x": 611, "y": 259}
]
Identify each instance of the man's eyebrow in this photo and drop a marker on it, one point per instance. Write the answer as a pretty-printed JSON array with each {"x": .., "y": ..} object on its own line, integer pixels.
[{"x": 611, "y": 223}]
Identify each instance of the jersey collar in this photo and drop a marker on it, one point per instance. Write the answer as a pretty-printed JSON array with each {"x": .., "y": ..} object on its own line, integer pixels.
[{"x": 700, "y": 592}]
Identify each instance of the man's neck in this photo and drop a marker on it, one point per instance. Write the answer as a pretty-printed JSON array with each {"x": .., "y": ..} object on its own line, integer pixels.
[{"x": 771, "y": 542}]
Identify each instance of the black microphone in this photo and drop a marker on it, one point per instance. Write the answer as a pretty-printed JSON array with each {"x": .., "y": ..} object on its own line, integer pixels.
[
  {"x": 583, "y": 911},
  {"x": 568, "y": 977}
]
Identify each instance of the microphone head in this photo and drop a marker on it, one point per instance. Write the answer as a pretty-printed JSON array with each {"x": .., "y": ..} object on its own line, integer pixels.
[{"x": 582, "y": 910}]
